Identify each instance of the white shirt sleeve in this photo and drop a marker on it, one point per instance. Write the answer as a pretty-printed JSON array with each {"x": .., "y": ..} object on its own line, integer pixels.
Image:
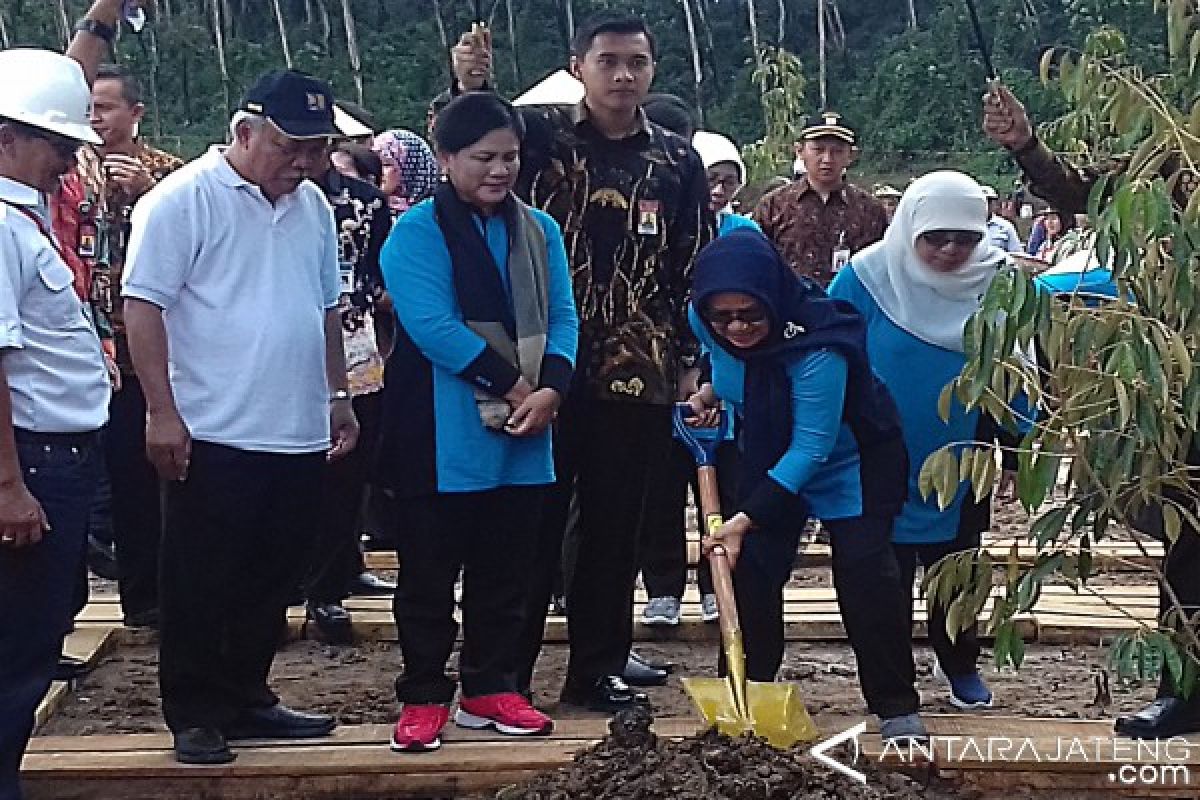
[
  {"x": 10, "y": 288},
  {"x": 331, "y": 287},
  {"x": 160, "y": 253}
]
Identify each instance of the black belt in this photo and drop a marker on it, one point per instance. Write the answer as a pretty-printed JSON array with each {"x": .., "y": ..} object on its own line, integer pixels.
[{"x": 85, "y": 439}]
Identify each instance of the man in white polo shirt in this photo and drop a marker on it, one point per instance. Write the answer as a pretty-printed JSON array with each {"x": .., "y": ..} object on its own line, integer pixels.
[{"x": 231, "y": 291}]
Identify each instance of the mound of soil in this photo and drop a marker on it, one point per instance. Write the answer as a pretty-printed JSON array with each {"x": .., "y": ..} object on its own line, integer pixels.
[{"x": 631, "y": 763}]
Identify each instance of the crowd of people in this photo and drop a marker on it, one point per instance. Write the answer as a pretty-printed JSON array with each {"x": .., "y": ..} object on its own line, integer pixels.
[{"x": 491, "y": 328}]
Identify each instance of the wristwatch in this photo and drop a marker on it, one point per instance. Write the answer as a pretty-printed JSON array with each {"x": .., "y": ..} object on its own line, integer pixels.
[{"x": 97, "y": 28}]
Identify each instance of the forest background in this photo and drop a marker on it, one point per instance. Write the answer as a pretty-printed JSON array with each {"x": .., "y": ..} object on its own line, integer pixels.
[{"x": 907, "y": 74}]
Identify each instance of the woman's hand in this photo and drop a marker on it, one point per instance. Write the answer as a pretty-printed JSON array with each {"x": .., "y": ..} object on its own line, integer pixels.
[
  {"x": 706, "y": 409},
  {"x": 535, "y": 414},
  {"x": 729, "y": 537}
]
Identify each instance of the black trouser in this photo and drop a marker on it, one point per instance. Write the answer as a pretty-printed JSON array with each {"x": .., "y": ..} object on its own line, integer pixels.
[
  {"x": 38, "y": 584},
  {"x": 664, "y": 525},
  {"x": 489, "y": 537},
  {"x": 1181, "y": 566},
  {"x": 236, "y": 543},
  {"x": 136, "y": 499},
  {"x": 337, "y": 557},
  {"x": 604, "y": 450},
  {"x": 871, "y": 600},
  {"x": 956, "y": 657}
]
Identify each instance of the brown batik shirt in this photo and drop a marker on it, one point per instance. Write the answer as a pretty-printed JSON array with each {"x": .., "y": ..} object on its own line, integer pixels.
[
  {"x": 807, "y": 229},
  {"x": 633, "y": 212}
]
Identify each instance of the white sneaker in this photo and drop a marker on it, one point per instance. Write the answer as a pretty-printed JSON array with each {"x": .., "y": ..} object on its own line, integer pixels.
[
  {"x": 708, "y": 608},
  {"x": 661, "y": 611}
]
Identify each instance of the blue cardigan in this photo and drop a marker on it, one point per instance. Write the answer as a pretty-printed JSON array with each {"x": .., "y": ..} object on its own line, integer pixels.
[{"x": 457, "y": 453}]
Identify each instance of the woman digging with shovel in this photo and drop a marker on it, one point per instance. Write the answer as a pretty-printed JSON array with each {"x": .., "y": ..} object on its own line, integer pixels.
[{"x": 820, "y": 433}]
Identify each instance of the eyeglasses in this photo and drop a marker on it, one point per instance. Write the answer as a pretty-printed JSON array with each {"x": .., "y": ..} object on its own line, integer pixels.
[
  {"x": 958, "y": 238},
  {"x": 62, "y": 145},
  {"x": 729, "y": 183},
  {"x": 723, "y": 319}
]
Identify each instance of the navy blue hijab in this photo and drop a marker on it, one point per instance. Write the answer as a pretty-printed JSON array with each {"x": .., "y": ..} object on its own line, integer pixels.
[{"x": 802, "y": 319}]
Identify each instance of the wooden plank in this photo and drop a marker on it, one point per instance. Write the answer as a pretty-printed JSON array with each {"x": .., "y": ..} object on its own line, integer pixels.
[{"x": 88, "y": 644}]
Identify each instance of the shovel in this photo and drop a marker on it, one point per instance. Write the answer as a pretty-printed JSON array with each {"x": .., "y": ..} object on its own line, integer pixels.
[{"x": 734, "y": 705}]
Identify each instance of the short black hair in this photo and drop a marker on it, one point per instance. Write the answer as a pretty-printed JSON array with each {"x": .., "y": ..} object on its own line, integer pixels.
[
  {"x": 470, "y": 117},
  {"x": 366, "y": 161},
  {"x": 670, "y": 112},
  {"x": 609, "y": 22},
  {"x": 131, "y": 87}
]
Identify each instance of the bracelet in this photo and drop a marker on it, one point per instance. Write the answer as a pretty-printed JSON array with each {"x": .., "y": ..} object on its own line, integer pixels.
[
  {"x": 339, "y": 394},
  {"x": 97, "y": 28}
]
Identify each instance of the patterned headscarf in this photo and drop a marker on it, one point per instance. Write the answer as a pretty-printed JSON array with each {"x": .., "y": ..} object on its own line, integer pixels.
[{"x": 419, "y": 170}]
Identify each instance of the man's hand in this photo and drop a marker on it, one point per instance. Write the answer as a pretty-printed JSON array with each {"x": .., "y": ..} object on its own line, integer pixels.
[
  {"x": 471, "y": 59},
  {"x": 689, "y": 383},
  {"x": 729, "y": 537},
  {"x": 1006, "y": 491},
  {"x": 1004, "y": 119},
  {"x": 111, "y": 9},
  {"x": 114, "y": 372},
  {"x": 128, "y": 173},
  {"x": 22, "y": 520},
  {"x": 168, "y": 444},
  {"x": 344, "y": 427},
  {"x": 706, "y": 409},
  {"x": 535, "y": 414}
]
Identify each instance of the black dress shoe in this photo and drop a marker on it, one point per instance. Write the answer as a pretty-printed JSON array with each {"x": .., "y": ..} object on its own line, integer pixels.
[
  {"x": 142, "y": 619},
  {"x": 665, "y": 666},
  {"x": 70, "y": 668},
  {"x": 202, "y": 746},
  {"x": 367, "y": 584},
  {"x": 279, "y": 722},
  {"x": 609, "y": 694},
  {"x": 1162, "y": 719},
  {"x": 333, "y": 622},
  {"x": 638, "y": 673}
]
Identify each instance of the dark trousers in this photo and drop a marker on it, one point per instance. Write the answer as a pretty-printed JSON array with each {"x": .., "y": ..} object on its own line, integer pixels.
[
  {"x": 1181, "y": 566},
  {"x": 236, "y": 543},
  {"x": 337, "y": 556},
  {"x": 664, "y": 525},
  {"x": 956, "y": 657},
  {"x": 136, "y": 499},
  {"x": 871, "y": 599},
  {"x": 603, "y": 449},
  {"x": 488, "y": 537},
  {"x": 38, "y": 585}
]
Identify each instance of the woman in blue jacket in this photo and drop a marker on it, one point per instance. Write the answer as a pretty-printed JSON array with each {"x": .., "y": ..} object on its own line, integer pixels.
[
  {"x": 483, "y": 357},
  {"x": 819, "y": 434},
  {"x": 916, "y": 289}
]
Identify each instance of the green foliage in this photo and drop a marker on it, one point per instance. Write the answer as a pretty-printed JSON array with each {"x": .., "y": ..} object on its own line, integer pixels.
[{"x": 1116, "y": 387}]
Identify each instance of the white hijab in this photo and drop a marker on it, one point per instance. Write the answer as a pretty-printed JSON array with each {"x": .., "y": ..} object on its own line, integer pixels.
[{"x": 933, "y": 306}]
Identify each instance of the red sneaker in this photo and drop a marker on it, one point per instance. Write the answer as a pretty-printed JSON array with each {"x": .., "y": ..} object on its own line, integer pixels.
[
  {"x": 419, "y": 728},
  {"x": 508, "y": 713}
]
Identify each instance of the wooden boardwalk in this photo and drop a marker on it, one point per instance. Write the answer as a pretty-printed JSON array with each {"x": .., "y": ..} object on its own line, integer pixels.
[{"x": 356, "y": 763}]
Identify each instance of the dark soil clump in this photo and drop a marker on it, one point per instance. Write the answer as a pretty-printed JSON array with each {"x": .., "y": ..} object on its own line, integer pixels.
[{"x": 631, "y": 763}]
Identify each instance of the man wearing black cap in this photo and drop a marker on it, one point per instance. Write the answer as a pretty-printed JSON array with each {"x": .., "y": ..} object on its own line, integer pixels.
[
  {"x": 819, "y": 220},
  {"x": 231, "y": 290}
]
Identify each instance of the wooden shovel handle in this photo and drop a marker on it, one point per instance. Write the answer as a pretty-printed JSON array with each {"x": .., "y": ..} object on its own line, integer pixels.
[{"x": 722, "y": 576}]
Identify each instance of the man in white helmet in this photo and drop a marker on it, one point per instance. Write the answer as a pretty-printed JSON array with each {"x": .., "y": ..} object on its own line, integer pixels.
[{"x": 54, "y": 388}]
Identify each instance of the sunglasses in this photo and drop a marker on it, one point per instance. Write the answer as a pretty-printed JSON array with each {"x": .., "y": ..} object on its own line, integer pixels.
[
  {"x": 723, "y": 319},
  {"x": 957, "y": 238}
]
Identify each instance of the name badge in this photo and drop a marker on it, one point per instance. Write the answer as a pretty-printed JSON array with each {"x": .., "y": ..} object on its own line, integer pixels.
[
  {"x": 346, "y": 277},
  {"x": 841, "y": 258},
  {"x": 87, "y": 244},
  {"x": 648, "y": 217}
]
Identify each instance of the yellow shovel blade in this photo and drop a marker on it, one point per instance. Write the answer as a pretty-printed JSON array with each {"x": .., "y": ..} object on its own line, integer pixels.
[{"x": 776, "y": 711}]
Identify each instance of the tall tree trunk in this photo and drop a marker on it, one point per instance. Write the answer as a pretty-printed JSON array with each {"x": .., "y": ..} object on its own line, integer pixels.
[
  {"x": 912, "y": 15},
  {"x": 326, "y": 26},
  {"x": 697, "y": 73},
  {"x": 3, "y": 33},
  {"x": 441, "y": 28},
  {"x": 821, "y": 41},
  {"x": 782, "y": 23},
  {"x": 352, "y": 47},
  {"x": 752, "y": 13},
  {"x": 283, "y": 40},
  {"x": 710, "y": 49},
  {"x": 219, "y": 33},
  {"x": 512, "y": 39},
  {"x": 569, "y": 9},
  {"x": 155, "y": 111},
  {"x": 64, "y": 23}
]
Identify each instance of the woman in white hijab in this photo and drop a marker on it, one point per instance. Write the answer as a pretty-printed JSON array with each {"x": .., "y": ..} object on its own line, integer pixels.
[{"x": 917, "y": 288}]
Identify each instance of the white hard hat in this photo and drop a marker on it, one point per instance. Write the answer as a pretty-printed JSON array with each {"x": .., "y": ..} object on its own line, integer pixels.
[
  {"x": 989, "y": 192},
  {"x": 48, "y": 91},
  {"x": 713, "y": 148}
]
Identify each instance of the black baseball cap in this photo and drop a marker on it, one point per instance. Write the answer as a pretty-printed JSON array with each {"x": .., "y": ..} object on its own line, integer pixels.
[
  {"x": 300, "y": 105},
  {"x": 827, "y": 123}
]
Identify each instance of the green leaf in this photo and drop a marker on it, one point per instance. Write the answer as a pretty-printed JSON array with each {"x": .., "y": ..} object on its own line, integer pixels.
[{"x": 1048, "y": 526}]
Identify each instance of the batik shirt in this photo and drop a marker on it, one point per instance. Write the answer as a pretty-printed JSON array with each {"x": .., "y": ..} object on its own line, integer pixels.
[
  {"x": 633, "y": 212},
  {"x": 808, "y": 230}
]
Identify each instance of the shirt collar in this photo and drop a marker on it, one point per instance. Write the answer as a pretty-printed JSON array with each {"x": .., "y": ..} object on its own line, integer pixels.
[
  {"x": 805, "y": 186},
  {"x": 19, "y": 194},
  {"x": 579, "y": 114},
  {"x": 223, "y": 170}
]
